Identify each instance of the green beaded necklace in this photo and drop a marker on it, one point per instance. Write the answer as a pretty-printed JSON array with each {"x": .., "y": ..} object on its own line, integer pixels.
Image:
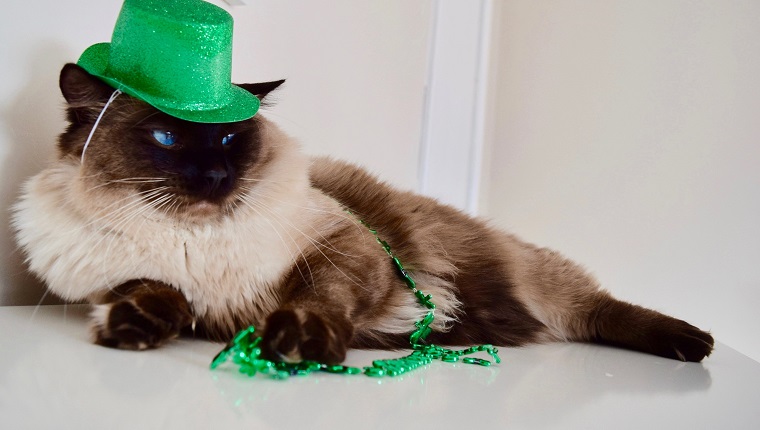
[{"x": 244, "y": 349}]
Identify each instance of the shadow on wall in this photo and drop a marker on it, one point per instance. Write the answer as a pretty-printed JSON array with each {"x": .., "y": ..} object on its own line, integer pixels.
[{"x": 29, "y": 125}]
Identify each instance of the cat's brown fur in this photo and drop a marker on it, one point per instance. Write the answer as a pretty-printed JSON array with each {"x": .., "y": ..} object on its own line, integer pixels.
[{"x": 216, "y": 237}]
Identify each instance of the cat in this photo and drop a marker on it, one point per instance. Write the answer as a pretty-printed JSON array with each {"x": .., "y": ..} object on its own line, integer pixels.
[{"x": 169, "y": 227}]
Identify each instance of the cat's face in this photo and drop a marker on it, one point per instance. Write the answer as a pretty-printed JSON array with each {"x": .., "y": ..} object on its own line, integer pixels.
[{"x": 180, "y": 167}]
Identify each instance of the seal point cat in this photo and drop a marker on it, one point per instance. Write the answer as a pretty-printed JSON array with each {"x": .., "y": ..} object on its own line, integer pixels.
[{"x": 167, "y": 225}]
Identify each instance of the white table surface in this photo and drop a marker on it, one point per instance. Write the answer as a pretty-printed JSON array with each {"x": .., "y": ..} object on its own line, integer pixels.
[{"x": 52, "y": 377}]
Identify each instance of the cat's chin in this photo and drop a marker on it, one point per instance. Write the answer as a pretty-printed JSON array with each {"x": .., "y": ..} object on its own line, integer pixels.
[{"x": 200, "y": 210}]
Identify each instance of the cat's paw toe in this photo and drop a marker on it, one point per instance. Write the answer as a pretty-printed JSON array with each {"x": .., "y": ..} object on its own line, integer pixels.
[
  {"x": 282, "y": 337},
  {"x": 294, "y": 335},
  {"x": 137, "y": 324},
  {"x": 685, "y": 342}
]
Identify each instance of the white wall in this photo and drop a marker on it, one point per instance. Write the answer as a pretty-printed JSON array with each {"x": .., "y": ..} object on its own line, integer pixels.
[
  {"x": 627, "y": 134},
  {"x": 356, "y": 72}
]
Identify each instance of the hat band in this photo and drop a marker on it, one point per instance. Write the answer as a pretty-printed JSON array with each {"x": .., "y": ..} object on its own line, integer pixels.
[{"x": 170, "y": 102}]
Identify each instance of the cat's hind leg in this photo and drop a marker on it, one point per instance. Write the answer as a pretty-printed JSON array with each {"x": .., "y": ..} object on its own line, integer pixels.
[
  {"x": 139, "y": 314},
  {"x": 569, "y": 302},
  {"x": 622, "y": 324}
]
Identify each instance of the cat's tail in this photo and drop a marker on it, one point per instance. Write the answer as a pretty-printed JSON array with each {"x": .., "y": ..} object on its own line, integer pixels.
[{"x": 569, "y": 302}]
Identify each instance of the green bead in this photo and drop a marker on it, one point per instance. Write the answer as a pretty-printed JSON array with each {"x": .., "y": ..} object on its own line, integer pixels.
[
  {"x": 239, "y": 357},
  {"x": 419, "y": 335},
  {"x": 399, "y": 266},
  {"x": 374, "y": 372},
  {"x": 314, "y": 366},
  {"x": 478, "y": 361},
  {"x": 428, "y": 319},
  {"x": 414, "y": 338},
  {"x": 265, "y": 364},
  {"x": 220, "y": 358},
  {"x": 243, "y": 335},
  {"x": 425, "y": 331}
]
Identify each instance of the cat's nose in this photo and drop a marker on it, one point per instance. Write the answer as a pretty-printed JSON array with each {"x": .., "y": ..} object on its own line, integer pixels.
[{"x": 214, "y": 178}]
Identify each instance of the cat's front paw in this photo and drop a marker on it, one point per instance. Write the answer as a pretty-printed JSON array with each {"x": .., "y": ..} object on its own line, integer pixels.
[
  {"x": 136, "y": 323},
  {"x": 294, "y": 335}
]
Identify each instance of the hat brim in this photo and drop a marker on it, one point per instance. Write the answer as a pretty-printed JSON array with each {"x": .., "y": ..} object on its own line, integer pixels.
[{"x": 242, "y": 105}]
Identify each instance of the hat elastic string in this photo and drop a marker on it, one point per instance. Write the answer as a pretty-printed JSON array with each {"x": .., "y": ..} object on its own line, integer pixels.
[{"x": 97, "y": 121}]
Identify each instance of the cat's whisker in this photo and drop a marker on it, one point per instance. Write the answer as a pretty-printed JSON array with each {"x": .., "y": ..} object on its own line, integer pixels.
[
  {"x": 254, "y": 192},
  {"x": 314, "y": 243},
  {"x": 136, "y": 180},
  {"x": 232, "y": 207},
  {"x": 153, "y": 201},
  {"x": 251, "y": 206},
  {"x": 144, "y": 119},
  {"x": 329, "y": 245},
  {"x": 122, "y": 220},
  {"x": 156, "y": 204},
  {"x": 258, "y": 180},
  {"x": 176, "y": 211},
  {"x": 93, "y": 175},
  {"x": 128, "y": 213},
  {"x": 116, "y": 208},
  {"x": 173, "y": 208},
  {"x": 121, "y": 181},
  {"x": 162, "y": 202},
  {"x": 39, "y": 303},
  {"x": 141, "y": 199}
]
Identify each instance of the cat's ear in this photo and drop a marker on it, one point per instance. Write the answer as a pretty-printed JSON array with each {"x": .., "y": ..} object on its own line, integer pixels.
[
  {"x": 84, "y": 93},
  {"x": 262, "y": 89}
]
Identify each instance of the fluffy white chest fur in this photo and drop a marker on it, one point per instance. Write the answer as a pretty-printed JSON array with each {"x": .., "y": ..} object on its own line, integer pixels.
[{"x": 81, "y": 250}]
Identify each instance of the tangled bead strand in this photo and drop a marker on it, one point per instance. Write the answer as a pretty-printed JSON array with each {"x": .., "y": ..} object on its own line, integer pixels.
[{"x": 244, "y": 350}]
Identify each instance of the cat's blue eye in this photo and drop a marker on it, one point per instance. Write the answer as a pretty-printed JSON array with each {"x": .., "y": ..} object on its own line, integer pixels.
[
  {"x": 165, "y": 138},
  {"x": 226, "y": 140}
]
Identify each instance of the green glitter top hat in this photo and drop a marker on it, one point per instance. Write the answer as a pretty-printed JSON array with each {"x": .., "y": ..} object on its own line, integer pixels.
[{"x": 175, "y": 55}]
